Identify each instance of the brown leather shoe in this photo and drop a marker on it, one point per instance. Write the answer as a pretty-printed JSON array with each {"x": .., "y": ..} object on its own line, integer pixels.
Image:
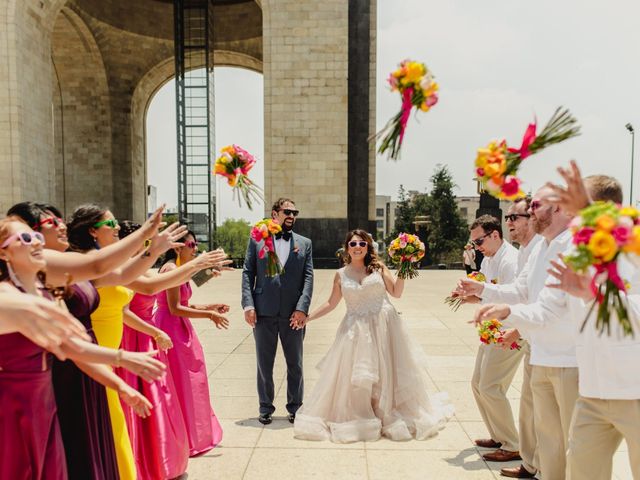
[
  {"x": 488, "y": 443},
  {"x": 516, "y": 472},
  {"x": 502, "y": 456}
]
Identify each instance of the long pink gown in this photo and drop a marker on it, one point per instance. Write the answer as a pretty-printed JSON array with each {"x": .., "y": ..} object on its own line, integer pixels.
[
  {"x": 160, "y": 442},
  {"x": 187, "y": 365}
]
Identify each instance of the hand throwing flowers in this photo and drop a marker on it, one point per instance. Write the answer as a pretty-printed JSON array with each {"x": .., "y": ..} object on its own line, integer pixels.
[
  {"x": 415, "y": 84},
  {"x": 497, "y": 164},
  {"x": 490, "y": 332},
  {"x": 601, "y": 233},
  {"x": 263, "y": 231},
  {"x": 455, "y": 300},
  {"x": 406, "y": 251},
  {"x": 235, "y": 164}
]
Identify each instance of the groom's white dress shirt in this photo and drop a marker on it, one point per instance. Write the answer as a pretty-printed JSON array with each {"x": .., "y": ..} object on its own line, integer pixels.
[{"x": 283, "y": 248}]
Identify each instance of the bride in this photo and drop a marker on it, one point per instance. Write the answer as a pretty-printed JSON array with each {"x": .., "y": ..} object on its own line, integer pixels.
[{"x": 373, "y": 380}]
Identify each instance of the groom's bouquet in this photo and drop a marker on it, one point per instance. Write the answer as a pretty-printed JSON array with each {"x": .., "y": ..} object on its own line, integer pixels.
[
  {"x": 406, "y": 251},
  {"x": 497, "y": 164},
  {"x": 490, "y": 332},
  {"x": 263, "y": 231},
  {"x": 234, "y": 163},
  {"x": 602, "y": 232}
]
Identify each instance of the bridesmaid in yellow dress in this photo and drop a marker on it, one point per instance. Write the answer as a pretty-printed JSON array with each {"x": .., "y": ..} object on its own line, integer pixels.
[{"x": 90, "y": 228}]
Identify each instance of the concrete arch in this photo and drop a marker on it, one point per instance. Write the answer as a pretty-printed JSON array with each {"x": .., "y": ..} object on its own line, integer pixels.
[{"x": 82, "y": 119}]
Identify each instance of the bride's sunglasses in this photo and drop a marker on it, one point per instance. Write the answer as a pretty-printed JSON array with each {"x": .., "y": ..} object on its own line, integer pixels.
[
  {"x": 353, "y": 244},
  {"x": 26, "y": 238}
]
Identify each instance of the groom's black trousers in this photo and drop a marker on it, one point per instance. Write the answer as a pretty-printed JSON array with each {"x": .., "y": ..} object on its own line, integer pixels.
[{"x": 266, "y": 334}]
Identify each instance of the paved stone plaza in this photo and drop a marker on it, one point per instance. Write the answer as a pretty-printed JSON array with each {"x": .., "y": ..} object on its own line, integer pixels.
[{"x": 252, "y": 451}]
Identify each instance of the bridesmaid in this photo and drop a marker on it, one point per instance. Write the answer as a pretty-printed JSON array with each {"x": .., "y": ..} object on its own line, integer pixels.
[{"x": 186, "y": 359}]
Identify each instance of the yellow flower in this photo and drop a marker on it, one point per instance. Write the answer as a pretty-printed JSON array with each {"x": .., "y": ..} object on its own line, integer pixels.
[
  {"x": 492, "y": 169},
  {"x": 605, "y": 222},
  {"x": 603, "y": 246},
  {"x": 629, "y": 212},
  {"x": 220, "y": 168},
  {"x": 414, "y": 72}
]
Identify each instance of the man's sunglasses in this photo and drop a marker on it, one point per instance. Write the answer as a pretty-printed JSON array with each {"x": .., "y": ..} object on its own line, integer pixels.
[
  {"x": 480, "y": 240},
  {"x": 111, "y": 223},
  {"x": 53, "y": 221},
  {"x": 288, "y": 212},
  {"x": 353, "y": 244},
  {"x": 512, "y": 217},
  {"x": 191, "y": 244},
  {"x": 26, "y": 238}
]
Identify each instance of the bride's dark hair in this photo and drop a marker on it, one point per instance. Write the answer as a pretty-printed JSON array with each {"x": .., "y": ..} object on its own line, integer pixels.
[{"x": 371, "y": 260}]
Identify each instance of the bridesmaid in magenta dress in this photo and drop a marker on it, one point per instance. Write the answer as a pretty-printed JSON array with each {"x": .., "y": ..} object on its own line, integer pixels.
[
  {"x": 160, "y": 442},
  {"x": 186, "y": 359}
]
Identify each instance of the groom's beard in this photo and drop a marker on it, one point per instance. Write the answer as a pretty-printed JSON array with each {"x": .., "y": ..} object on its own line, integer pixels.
[{"x": 288, "y": 226}]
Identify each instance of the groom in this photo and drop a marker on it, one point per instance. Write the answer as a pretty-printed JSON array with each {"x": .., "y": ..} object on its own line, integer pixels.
[{"x": 272, "y": 303}]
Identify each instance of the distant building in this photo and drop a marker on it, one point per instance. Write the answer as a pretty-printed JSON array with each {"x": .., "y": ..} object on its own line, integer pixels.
[
  {"x": 386, "y": 210},
  {"x": 467, "y": 207}
]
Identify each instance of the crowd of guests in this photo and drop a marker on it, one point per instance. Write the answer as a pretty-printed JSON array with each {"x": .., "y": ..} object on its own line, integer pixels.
[
  {"x": 580, "y": 392},
  {"x": 125, "y": 393}
]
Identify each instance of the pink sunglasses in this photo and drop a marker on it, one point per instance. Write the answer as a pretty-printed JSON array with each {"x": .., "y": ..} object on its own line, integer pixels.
[{"x": 26, "y": 238}]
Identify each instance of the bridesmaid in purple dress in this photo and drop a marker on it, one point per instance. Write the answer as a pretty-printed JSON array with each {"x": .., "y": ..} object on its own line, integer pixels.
[{"x": 186, "y": 358}]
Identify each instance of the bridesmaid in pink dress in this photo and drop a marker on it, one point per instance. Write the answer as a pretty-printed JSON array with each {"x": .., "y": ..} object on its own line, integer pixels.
[
  {"x": 160, "y": 442},
  {"x": 186, "y": 359}
]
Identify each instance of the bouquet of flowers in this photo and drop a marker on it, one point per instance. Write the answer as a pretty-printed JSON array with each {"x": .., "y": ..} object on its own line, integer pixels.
[
  {"x": 490, "y": 332},
  {"x": 601, "y": 233},
  {"x": 235, "y": 164},
  {"x": 406, "y": 251},
  {"x": 417, "y": 89},
  {"x": 263, "y": 231},
  {"x": 454, "y": 301},
  {"x": 497, "y": 164}
]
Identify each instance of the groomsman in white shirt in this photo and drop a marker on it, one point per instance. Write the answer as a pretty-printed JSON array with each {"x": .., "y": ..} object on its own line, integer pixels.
[
  {"x": 608, "y": 408},
  {"x": 554, "y": 378},
  {"x": 495, "y": 367}
]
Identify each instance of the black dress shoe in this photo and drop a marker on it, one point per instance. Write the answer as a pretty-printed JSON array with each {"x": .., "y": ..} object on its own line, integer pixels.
[
  {"x": 265, "y": 418},
  {"x": 291, "y": 417}
]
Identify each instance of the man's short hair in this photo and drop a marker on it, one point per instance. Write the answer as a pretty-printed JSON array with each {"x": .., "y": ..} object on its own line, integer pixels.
[
  {"x": 281, "y": 201},
  {"x": 603, "y": 188},
  {"x": 526, "y": 200},
  {"x": 488, "y": 223}
]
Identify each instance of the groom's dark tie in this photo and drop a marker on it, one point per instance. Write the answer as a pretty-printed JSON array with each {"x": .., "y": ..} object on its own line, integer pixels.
[{"x": 285, "y": 235}]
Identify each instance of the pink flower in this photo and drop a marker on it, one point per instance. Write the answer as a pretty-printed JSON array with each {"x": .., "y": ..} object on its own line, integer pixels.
[
  {"x": 480, "y": 172},
  {"x": 262, "y": 252},
  {"x": 511, "y": 186},
  {"x": 256, "y": 234},
  {"x": 431, "y": 100},
  {"x": 621, "y": 234},
  {"x": 268, "y": 244},
  {"x": 393, "y": 82},
  {"x": 583, "y": 236}
]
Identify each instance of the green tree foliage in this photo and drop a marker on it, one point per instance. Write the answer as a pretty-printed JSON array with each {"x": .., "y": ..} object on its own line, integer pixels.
[
  {"x": 446, "y": 233},
  {"x": 233, "y": 236}
]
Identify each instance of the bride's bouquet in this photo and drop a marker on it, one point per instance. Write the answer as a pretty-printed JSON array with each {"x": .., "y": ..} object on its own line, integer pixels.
[
  {"x": 263, "y": 231},
  {"x": 417, "y": 89},
  {"x": 454, "y": 301},
  {"x": 406, "y": 251},
  {"x": 497, "y": 164},
  {"x": 490, "y": 332},
  {"x": 602, "y": 232},
  {"x": 234, "y": 163}
]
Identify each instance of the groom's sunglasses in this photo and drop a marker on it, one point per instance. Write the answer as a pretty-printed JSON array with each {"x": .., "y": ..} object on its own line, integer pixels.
[
  {"x": 353, "y": 244},
  {"x": 288, "y": 212}
]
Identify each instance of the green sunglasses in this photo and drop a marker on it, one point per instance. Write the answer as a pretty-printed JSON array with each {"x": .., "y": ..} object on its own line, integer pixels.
[{"x": 111, "y": 223}]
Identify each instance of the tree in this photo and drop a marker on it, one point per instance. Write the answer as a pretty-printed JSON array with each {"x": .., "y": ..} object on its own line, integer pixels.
[
  {"x": 233, "y": 236},
  {"x": 448, "y": 230}
]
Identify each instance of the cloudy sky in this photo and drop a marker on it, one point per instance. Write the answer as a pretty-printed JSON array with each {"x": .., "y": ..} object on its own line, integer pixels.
[{"x": 499, "y": 63}]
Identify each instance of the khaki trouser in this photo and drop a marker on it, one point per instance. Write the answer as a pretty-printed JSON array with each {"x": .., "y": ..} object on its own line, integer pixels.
[
  {"x": 555, "y": 390},
  {"x": 526, "y": 424},
  {"x": 597, "y": 428},
  {"x": 494, "y": 370}
]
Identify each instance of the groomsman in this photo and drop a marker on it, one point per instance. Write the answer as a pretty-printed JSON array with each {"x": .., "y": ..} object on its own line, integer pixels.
[
  {"x": 521, "y": 230},
  {"x": 554, "y": 377},
  {"x": 608, "y": 408},
  {"x": 495, "y": 367}
]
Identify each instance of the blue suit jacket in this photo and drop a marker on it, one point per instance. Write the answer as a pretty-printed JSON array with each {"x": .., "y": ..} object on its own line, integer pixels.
[{"x": 278, "y": 296}]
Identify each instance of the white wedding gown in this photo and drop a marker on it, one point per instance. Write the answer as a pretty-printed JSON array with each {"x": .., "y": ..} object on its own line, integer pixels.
[{"x": 373, "y": 380}]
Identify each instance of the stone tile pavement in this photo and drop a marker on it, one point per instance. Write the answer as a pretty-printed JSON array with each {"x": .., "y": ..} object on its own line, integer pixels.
[{"x": 252, "y": 451}]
